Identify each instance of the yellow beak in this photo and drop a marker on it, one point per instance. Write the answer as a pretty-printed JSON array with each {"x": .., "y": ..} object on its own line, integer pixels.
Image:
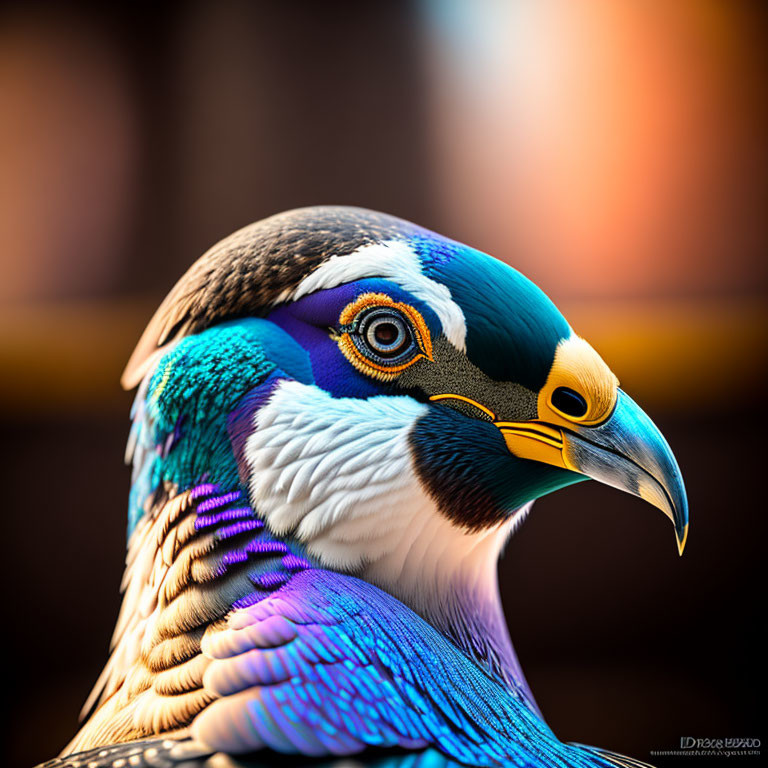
[{"x": 626, "y": 451}]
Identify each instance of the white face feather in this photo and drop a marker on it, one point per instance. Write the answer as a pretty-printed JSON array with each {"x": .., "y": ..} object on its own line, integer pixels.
[
  {"x": 396, "y": 261},
  {"x": 337, "y": 473},
  {"x": 334, "y": 472}
]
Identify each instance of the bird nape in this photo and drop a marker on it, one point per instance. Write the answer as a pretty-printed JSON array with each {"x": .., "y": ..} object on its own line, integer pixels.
[{"x": 341, "y": 418}]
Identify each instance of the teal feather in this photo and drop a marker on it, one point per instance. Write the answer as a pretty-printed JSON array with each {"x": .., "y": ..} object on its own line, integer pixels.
[{"x": 180, "y": 418}]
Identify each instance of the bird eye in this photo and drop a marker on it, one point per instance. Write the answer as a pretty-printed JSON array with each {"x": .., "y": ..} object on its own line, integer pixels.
[
  {"x": 385, "y": 334},
  {"x": 382, "y": 337},
  {"x": 569, "y": 402}
]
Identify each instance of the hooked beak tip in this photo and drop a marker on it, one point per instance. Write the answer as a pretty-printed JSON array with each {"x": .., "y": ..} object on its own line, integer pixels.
[{"x": 682, "y": 537}]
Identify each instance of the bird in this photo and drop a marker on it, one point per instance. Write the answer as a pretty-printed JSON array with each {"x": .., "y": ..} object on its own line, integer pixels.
[{"x": 341, "y": 418}]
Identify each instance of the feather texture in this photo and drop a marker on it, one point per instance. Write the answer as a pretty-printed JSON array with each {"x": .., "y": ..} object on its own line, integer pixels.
[
  {"x": 330, "y": 664},
  {"x": 202, "y": 553}
]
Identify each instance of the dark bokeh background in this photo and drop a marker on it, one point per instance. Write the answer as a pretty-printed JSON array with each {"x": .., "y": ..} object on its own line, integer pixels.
[{"x": 614, "y": 152}]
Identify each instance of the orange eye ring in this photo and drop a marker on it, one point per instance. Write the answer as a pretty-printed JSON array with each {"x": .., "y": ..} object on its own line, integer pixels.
[{"x": 358, "y": 351}]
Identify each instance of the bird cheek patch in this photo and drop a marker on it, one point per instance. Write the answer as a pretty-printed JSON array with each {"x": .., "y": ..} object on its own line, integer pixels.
[{"x": 355, "y": 348}]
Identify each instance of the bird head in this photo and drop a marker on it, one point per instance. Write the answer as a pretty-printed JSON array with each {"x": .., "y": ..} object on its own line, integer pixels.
[{"x": 422, "y": 393}]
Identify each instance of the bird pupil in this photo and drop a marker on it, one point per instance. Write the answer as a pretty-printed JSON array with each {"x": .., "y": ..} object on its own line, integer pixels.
[
  {"x": 385, "y": 333},
  {"x": 569, "y": 402}
]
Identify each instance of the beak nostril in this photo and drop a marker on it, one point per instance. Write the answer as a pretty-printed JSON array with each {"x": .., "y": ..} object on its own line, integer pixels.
[{"x": 569, "y": 402}]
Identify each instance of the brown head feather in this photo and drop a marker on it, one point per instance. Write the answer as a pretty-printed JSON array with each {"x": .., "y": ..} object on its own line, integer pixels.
[{"x": 255, "y": 268}]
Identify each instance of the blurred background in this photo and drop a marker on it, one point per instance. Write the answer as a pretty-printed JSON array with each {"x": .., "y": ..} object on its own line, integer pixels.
[{"x": 612, "y": 151}]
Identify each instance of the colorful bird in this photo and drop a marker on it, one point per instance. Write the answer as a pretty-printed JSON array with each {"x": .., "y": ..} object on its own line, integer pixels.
[{"x": 341, "y": 418}]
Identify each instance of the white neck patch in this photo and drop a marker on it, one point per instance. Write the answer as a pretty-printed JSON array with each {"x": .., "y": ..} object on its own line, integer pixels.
[
  {"x": 334, "y": 472},
  {"x": 391, "y": 260},
  {"x": 337, "y": 474}
]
